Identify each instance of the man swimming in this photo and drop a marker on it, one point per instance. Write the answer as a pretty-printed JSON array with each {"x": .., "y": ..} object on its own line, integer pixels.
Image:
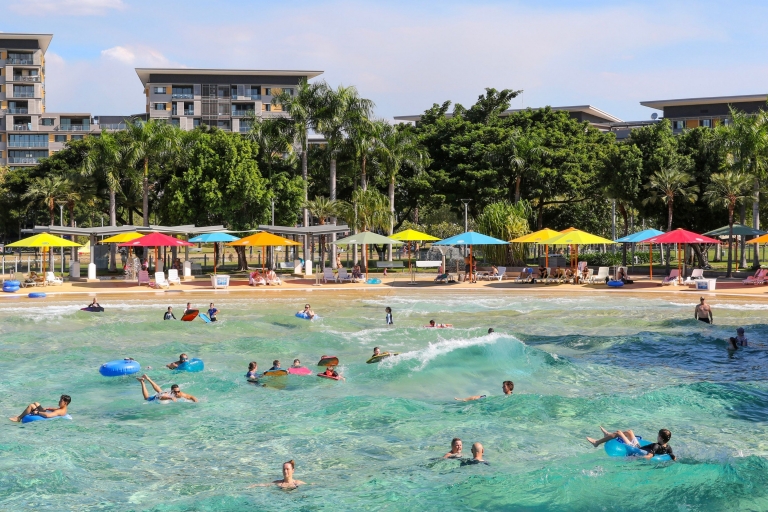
[
  {"x": 660, "y": 447},
  {"x": 275, "y": 366},
  {"x": 507, "y": 387},
  {"x": 35, "y": 409},
  {"x": 174, "y": 394},
  {"x": 477, "y": 456},
  {"x": 741, "y": 340},
  {"x": 308, "y": 311},
  {"x": 703, "y": 312},
  {"x": 183, "y": 358},
  {"x": 296, "y": 363},
  {"x": 169, "y": 314},
  {"x": 455, "y": 452},
  {"x": 212, "y": 312},
  {"x": 376, "y": 351},
  {"x": 439, "y": 326}
]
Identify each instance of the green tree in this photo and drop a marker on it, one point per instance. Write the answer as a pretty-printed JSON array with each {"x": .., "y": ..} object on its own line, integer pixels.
[
  {"x": 273, "y": 137},
  {"x": 505, "y": 221},
  {"x": 367, "y": 211},
  {"x": 667, "y": 183},
  {"x": 46, "y": 191},
  {"x": 727, "y": 189},
  {"x": 622, "y": 178},
  {"x": 519, "y": 153}
]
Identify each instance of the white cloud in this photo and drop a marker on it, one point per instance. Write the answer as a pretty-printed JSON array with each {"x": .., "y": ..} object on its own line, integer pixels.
[
  {"x": 65, "y": 7},
  {"x": 120, "y": 53}
]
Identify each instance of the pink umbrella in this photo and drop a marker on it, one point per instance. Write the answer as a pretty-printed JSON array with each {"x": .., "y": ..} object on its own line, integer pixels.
[
  {"x": 680, "y": 236},
  {"x": 156, "y": 240}
]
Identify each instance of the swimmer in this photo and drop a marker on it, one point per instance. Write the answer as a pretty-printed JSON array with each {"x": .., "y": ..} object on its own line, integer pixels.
[
  {"x": 740, "y": 338},
  {"x": 491, "y": 331},
  {"x": 455, "y": 452},
  {"x": 477, "y": 456},
  {"x": 376, "y": 352},
  {"x": 36, "y": 409},
  {"x": 252, "y": 374},
  {"x": 287, "y": 482},
  {"x": 296, "y": 363},
  {"x": 173, "y": 394},
  {"x": 275, "y": 366},
  {"x": 330, "y": 371},
  {"x": 703, "y": 312},
  {"x": 308, "y": 311},
  {"x": 733, "y": 344},
  {"x": 507, "y": 387},
  {"x": 660, "y": 447},
  {"x": 94, "y": 304},
  {"x": 212, "y": 312},
  {"x": 169, "y": 314},
  {"x": 439, "y": 326},
  {"x": 183, "y": 358},
  {"x": 188, "y": 308},
  {"x": 388, "y": 319}
]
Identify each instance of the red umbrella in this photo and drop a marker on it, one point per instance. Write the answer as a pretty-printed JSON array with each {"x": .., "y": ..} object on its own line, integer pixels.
[
  {"x": 156, "y": 240},
  {"x": 680, "y": 236}
]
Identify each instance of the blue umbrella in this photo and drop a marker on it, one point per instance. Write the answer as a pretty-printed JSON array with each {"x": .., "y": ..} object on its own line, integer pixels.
[
  {"x": 471, "y": 238},
  {"x": 213, "y": 238},
  {"x": 639, "y": 237}
]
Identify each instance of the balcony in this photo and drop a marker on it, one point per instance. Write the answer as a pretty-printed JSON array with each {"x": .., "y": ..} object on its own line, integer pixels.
[
  {"x": 255, "y": 96},
  {"x": 22, "y": 61},
  {"x": 189, "y": 112},
  {"x": 245, "y": 127},
  {"x": 118, "y": 126},
  {"x": 182, "y": 96},
  {"x": 22, "y": 127},
  {"x": 28, "y": 144},
  {"x": 22, "y": 160},
  {"x": 18, "y": 111},
  {"x": 242, "y": 113},
  {"x": 22, "y": 78},
  {"x": 23, "y": 94},
  {"x": 73, "y": 128}
]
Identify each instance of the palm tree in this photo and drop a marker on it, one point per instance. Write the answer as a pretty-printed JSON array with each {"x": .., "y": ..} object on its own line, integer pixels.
[
  {"x": 105, "y": 157},
  {"x": 150, "y": 141},
  {"x": 368, "y": 211},
  {"x": 519, "y": 152},
  {"x": 398, "y": 146},
  {"x": 727, "y": 189},
  {"x": 46, "y": 190},
  {"x": 323, "y": 208},
  {"x": 363, "y": 136},
  {"x": 745, "y": 141},
  {"x": 302, "y": 109},
  {"x": 273, "y": 137}
]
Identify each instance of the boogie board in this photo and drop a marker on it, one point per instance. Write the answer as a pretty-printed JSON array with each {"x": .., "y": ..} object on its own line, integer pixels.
[
  {"x": 329, "y": 361},
  {"x": 376, "y": 359},
  {"x": 190, "y": 315},
  {"x": 204, "y": 317},
  {"x": 328, "y": 376},
  {"x": 299, "y": 371},
  {"x": 276, "y": 373},
  {"x": 92, "y": 309}
]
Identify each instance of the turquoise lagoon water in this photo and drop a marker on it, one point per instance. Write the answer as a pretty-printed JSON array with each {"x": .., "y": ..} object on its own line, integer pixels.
[{"x": 374, "y": 442}]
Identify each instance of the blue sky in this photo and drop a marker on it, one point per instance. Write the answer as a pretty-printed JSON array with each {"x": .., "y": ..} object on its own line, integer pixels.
[{"x": 407, "y": 55}]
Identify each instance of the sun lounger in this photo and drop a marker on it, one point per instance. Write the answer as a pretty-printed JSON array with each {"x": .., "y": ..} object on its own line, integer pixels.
[
  {"x": 601, "y": 277},
  {"x": 144, "y": 278},
  {"x": 51, "y": 279},
  {"x": 697, "y": 273},
  {"x": 672, "y": 278},
  {"x": 758, "y": 278},
  {"x": 173, "y": 276},
  {"x": 160, "y": 281},
  {"x": 345, "y": 276},
  {"x": 525, "y": 276},
  {"x": 328, "y": 275},
  {"x": 498, "y": 275}
]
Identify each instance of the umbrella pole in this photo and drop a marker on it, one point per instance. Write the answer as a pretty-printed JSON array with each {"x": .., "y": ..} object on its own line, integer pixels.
[
  {"x": 471, "y": 266},
  {"x": 215, "y": 254},
  {"x": 650, "y": 258},
  {"x": 546, "y": 255}
]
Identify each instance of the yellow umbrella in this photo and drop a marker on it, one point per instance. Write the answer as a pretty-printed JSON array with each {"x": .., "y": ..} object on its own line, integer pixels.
[
  {"x": 123, "y": 237},
  {"x": 263, "y": 239},
  {"x": 44, "y": 240},
  {"x": 535, "y": 237},
  {"x": 575, "y": 237},
  {"x": 411, "y": 235}
]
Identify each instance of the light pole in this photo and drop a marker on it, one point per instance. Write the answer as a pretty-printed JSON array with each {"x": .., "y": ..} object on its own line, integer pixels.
[
  {"x": 466, "y": 225},
  {"x": 61, "y": 223}
]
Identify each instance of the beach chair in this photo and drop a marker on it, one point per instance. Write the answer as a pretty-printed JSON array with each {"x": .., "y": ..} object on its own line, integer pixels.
[
  {"x": 345, "y": 276},
  {"x": 603, "y": 273},
  {"x": 160, "y": 281},
  {"x": 32, "y": 280},
  {"x": 697, "y": 273},
  {"x": 525, "y": 276},
  {"x": 587, "y": 279},
  {"x": 758, "y": 278},
  {"x": 274, "y": 280},
  {"x": 498, "y": 275},
  {"x": 144, "y": 278},
  {"x": 672, "y": 278},
  {"x": 173, "y": 276},
  {"x": 51, "y": 279},
  {"x": 255, "y": 279},
  {"x": 328, "y": 275}
]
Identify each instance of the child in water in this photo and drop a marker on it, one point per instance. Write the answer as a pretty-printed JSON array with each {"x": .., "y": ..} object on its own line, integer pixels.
[{"x": 389, "y": 316}]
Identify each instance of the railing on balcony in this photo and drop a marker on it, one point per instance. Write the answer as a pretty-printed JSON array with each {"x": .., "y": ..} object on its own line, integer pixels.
[
  {"x": 28, "y": 144},
  {"x": 117, "y": 126},
  {"x": 15, "y": 60},
  {"x": 23, "y": 94},
  {"x": 245, "y": 127},
  {"x": 23, "y": 78},
  {"x": 255, "y": 96},
  {"x": 18, "y": 111},
  {"x": 182, "y": 96},
  {"x": 242, "y": 113},
  {"x": 189, "y": 112},
  {"x": 22, "y": 127},
  {"x": 73, "y": 128},
  {"x": 22, "y": 160}
]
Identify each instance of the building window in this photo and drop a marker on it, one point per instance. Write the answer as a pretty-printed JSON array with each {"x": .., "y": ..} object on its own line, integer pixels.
[
  {"x": 678, "y": 125},
  {"x": 27, "y": 141},
  {"x": 266, "y": 107},
  {"x": 706, "y": 123},
  {"x": 727, "y": 122},
  {"x": 182, "y": 92},
  {"x": 159, "y": 90},
  {"x": 288, "y": 91},
  {"x": 77, "y": 137},
  {"x": 47, "y": 121},
  {"x": 60, "y": 138},
  {"x": 196, "y": 122},
  {"x": 267, "y": 91},
  {"x": 161, "y": 106},
  {"x": 174, "y": 111},
  {"x": 175, "y": 122}
]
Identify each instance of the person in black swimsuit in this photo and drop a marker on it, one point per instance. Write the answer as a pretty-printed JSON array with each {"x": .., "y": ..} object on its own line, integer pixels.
[
  {"x": 169, "y": 314},
  {"x": 703, "y": 312},
  {"x": 477, "y": 456},
  {"x": 628, "y": 437}
]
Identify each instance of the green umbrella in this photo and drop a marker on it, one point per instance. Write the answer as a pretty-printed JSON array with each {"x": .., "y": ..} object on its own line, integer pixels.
[
  {"x": 365, "y": 238},
  {"x": 738, "y": 229}
]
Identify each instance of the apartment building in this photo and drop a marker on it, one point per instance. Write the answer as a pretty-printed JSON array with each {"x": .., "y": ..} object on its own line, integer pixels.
[
  {"x": 223, "y": 98},
  {"x": 707, "y": 112}
]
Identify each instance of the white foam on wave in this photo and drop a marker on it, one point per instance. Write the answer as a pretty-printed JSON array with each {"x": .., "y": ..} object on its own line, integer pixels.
[{"x": 735, "y": 306}]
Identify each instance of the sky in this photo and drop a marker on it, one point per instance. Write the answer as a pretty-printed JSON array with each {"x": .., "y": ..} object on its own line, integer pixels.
[{"x": 408, "y": 55}]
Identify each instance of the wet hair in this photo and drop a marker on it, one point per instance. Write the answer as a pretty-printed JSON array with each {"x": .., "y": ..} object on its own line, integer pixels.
[
  {"x": 293, "y": 464},
  {"x": 453, "y": 441},
  {"x": 252, "y": 365},
  {"x": 175, "y": 386},
  {"x": 375, "y": 349},
  {"x": 665, "y": 435},
  {"x": 388, "y": 310},
  {"x": 490, "y": 330},
  {"x": 296, "y": 361},
  {"x": 740, "y": 330},
  {"x": 431, "y": 322},
  {"x": 169, "y": 308},
  {"x": 66, "y": 399},
  {"x": 734, "y": 342},
  {"x": 275, "y": 362},
  {"x": 509, "y": 384}
]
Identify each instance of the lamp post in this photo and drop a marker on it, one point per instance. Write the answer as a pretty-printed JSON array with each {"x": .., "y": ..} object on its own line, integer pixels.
[
  {"x": 61, "y": 223},
  {"x": 466, "y": 225}
]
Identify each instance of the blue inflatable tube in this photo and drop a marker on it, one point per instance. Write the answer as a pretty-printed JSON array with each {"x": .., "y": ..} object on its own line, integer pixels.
[
  {"x": 616, "y": 448},
  {"x": 119, "y": 367},
  {"x": 29, "y": 418},
  {"x": 193, "y": 365},
  {"x": 36, "y": 295},
  {"x": 11, "y": 286},
  {"x": 373, "y": 280},
  {"x": 615, "y": 284},
  {"x": 303, "y": 315}
]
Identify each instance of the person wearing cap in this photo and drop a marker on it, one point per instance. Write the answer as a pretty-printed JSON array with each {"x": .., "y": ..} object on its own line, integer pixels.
[{"x": 740, "y": 338}]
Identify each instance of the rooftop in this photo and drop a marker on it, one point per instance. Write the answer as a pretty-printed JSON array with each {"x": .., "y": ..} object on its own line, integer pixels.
[
  {"x": 660, "y": 104},
  {"x": 144, "y": 73},
  {"x": 586, "y": 109},
  {"x": 43, "y": 40}
]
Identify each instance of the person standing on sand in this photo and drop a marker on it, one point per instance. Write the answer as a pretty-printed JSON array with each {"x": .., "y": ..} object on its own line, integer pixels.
[{"x": 703, "y": 312}]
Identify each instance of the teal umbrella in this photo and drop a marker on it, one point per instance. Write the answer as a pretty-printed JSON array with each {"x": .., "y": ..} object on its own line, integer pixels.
[
  {"x": 738, "y": 229},
  {"x": 214, "y": 238},
  {"x": 471, "y": 238}
]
